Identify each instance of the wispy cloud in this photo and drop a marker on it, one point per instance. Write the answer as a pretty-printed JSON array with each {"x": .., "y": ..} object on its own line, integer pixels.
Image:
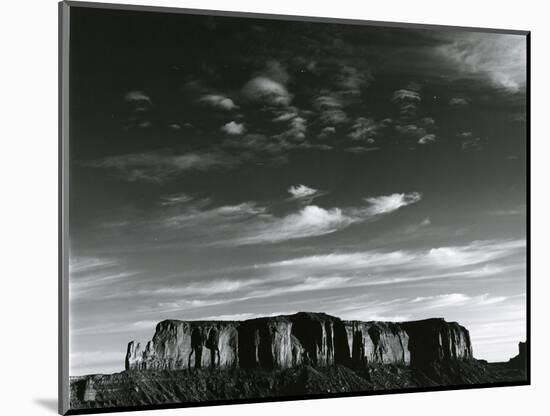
[
  {"x": 388, "y": 203},
  {"x": 254, "y": 223},
  {"x": 430, "y": 262},
  {"x": 344, "y": 271},
  {"x": 304, "y": 194},
  {"x": 308, "y": 222},
  {"x": 499, "y": 58},
  {"x": 458, "y": 102},
  {"x": 78, "y": 265},
  {"x": 88, "y": 275},
  {"x": 301, "y": 191},
  {"x": 159, "y": 166},
  {"x": 313, "y": 220}
]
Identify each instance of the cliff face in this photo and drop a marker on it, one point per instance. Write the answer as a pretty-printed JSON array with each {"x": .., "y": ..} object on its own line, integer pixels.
[
  {"x": 377, "y": 342},
  {"x": 434, "y": 340},
  {"x": 180, "y": 344},
  {"x": 288, "y": 341}
]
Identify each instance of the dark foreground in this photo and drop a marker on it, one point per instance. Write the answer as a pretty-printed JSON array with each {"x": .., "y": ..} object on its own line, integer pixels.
[{"x": 138, "y": 388}]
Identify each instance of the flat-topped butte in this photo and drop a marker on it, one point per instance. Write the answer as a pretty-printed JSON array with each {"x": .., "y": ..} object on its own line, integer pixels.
[{"x": 287, "y": 341}]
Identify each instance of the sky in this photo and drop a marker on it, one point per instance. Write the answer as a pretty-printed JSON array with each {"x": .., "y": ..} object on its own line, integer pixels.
[{"x": 228, "y": 168}]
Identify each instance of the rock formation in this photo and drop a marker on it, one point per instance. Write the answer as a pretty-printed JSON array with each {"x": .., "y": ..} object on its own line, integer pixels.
[
  {"x": 377, "y": 342},
  {"x": 435, "y": 340},
  {"x": 520, "y": 360},
  {"x": 288, "y": 341},
  {"x": 180, "y": 344}
]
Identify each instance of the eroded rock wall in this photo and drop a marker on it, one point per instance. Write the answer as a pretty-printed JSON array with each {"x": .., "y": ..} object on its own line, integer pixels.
[
  {"x": 291, "y": 340},
  {"x": 181, "y": 344},
  {"x": 435, "y": 340},
  {"x": 377, "y": 343}
]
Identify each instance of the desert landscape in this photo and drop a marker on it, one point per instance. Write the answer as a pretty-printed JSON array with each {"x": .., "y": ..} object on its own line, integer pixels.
[{"x": 290, "y": 356}]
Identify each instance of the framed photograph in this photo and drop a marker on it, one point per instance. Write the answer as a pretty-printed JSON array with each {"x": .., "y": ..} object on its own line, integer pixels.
[{"x": 263, "y": 208}]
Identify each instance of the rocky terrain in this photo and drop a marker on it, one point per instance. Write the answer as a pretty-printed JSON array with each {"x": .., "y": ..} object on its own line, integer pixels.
[{"x": 290, "y": 355}]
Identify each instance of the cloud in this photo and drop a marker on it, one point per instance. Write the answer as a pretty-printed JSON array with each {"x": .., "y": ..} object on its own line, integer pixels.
[
  {"x": 458, "y": 102},
  {"x": 473, "y": 144},
  {"x": 344, "y": 273},
  {"x": 301, "y": 191},
  {"x": 407, "y": 101},
  {"x": 298, "y": 128},
  {"x": 350, "y": 80},
  {"x": 453, "y": 264},
  {"x": 285, "y": 114},
  {"x": 137, "y": 96},
  {"x": 79, "y": 265},
  {"x": 327, "y": 132},
  {"x": 423, "y": 307},
  {"x": 499, "y": 58},
  {"x": 160, "y": 166},
  {"x": 476, "y": 260},
  {"x": 218, "y": 101},
  {"x": 310, "y": 221},
  {"x": 360, "y": 149},
  {"x": 263, "y": 90},
  {"x": 176, "y": 199},
  {"x": 464, "y": 134},
  {"x": 404, "y": 95},
  {"x": 427, "y": 139},
  {"x": 234, "y": 129},
  {"x": 333, "y": 116},
  {"x": 138, "y": 106},
  {"x": 252, "y": 223},
  {"x": 330, "y": 108},
  {"x": 313, "y": 220},
  {"x": 439, "y": 301},
  {"x": 277, "y": 71},
  {"x": 198, "y": 213},
  {"x": 364, "y": 129},
  {"x": 89, "y": 275},
  {"x": 389, "y": 203}
]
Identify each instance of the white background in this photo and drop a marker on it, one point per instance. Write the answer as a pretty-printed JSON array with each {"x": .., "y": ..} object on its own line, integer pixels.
[{"x": 28, "y": 163}]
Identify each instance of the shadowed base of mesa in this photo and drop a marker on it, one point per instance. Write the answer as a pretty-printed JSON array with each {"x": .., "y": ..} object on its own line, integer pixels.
[{"x": 153, "y": 387}]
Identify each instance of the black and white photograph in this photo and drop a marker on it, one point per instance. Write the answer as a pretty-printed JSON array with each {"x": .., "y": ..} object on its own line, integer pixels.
[{"x": 266, "y": 208}]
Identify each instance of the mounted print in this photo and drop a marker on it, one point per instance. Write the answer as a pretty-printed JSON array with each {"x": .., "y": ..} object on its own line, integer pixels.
[{"x": 261, "y": 208}]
